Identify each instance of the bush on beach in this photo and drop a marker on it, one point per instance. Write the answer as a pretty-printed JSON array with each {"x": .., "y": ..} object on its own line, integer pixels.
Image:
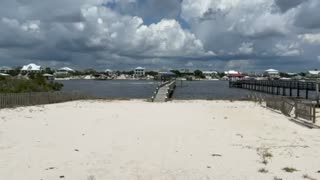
[{"x": 35, "y": 83}]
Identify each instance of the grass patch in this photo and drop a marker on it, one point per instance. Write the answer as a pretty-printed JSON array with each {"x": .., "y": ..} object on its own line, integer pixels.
[
  {"x": 265, "y": 155},
  {"x": 289, "y": 169},
  {"x": 263, "y": 170}
]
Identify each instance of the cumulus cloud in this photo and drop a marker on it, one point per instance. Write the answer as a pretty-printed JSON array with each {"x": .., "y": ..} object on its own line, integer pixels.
[
  {"x": 310, "y": 38},
  {"x": 167, "y": 33},
  {"x": 246, "y": 48},
  {"x": 259, "y": 30},
  {"x": 101, "y": 32},
  {"x": 128, "y": 35}
]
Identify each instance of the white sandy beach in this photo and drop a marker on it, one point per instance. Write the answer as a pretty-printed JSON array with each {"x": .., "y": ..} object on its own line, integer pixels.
[{"x": 136, "y": 140}]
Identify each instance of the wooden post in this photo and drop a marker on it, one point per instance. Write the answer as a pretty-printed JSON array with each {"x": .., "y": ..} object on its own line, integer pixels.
[
  {"x": 317, "y": 92},
  {"x": 298, "y": 89},
  {"x": 314, "y": 114}
]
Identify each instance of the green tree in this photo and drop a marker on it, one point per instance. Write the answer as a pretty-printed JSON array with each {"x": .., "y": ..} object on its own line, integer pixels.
[
  {"x": 198, "y": 74},
  {"x": 177, "y": 73},
  {"x": 48, "y": 70},
  {"x": 151, "y": 73}
]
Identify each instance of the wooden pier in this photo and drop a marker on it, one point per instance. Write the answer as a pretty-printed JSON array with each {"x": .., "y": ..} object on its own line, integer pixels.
[
  {"x": 278, "y": 87},
  {"x": 164, "y": 91}
]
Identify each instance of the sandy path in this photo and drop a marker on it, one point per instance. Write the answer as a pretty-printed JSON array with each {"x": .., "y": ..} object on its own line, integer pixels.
[{"x": 135, "y": 140}]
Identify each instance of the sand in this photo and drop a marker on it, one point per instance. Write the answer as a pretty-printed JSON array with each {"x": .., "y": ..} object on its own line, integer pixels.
[{"x": 136, "y": 140}]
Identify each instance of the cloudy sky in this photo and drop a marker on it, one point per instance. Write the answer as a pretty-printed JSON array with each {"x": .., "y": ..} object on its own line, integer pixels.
[{"x": 245, "y": 35}]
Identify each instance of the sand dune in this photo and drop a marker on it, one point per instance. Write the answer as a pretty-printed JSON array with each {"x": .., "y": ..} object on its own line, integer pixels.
[{"x": 136, "y": 140}]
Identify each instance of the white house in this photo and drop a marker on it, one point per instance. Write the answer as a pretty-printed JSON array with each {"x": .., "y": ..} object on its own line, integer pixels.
[
  {"x": 5, "y": 69},
  {"x": 31, "y": 68},
  {"x": 108, "y": 72},
  {"x": 185, "y": 71},
  {"x": 64, "y": 71},
  {"x": 272, "y": 73},
  {"x": 210, "y": 74},
  {"x": 139, "y": 72},
  {"x": 313, "y": 74},
  {"x": 234, "y": 75}
]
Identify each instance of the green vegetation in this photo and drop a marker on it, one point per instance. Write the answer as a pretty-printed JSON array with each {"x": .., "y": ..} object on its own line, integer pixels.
[
  {"x": 289, "y": 169},
  {"x": 35, "y": 83},
  {"x": 199, "y": 74},
  {"x": 263, "y": 170},
  {"x": 265, "y": 155}
]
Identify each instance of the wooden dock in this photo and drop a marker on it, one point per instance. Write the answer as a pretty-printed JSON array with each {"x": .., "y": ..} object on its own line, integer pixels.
[
  {"x": 278, "y": 87},
  {"x": 164, "y": 91}
]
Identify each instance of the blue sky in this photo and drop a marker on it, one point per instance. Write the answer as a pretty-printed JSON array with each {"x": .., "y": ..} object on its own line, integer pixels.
[{"x": 244, "y": 35}]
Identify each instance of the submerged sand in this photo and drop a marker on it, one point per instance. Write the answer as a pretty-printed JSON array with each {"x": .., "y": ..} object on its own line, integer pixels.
[{"x": 136, "y": 140}]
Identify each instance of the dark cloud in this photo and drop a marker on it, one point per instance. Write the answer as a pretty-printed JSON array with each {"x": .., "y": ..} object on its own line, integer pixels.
[
  {"x": 122, "y": 34},
  {"x": 308, "y": 15},
  {"x": 285, "y": 5}
]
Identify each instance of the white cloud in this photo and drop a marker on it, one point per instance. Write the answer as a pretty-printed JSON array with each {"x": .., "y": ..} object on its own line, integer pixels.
[
  {"x": 310, "y": 38},
  {"x": 287, "y": 49},
  {"x": 246, "y": 48},
  {"x": 128, "y": 34},
  {"x": 31, "y": 26},
  {"x": 223, "y": 25}
]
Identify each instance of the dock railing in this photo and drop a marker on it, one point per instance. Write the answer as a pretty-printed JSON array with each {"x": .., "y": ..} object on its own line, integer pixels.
[
  {"x": 278, "y": 87},
  {"x": 290, "y": 107}
]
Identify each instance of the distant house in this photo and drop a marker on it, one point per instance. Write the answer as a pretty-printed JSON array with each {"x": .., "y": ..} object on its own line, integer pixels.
[
  {"x": 64, "y": 71},
  {"x": 139, "y": 72},
  {"x": 31, "y": 68},
  {"x": 165, "y": 76},
  {"x": 49, "y": 77},
  {"x": 234, "y": 75},
  {"x": 210, "y": 74},
  {"x": 185, "y": 71},
  {"x": 5, "y": 69},
  {"x": 109, "y": 72},
  {"x": 272, "y": 73},
  {"x": 313, "y": 74}
]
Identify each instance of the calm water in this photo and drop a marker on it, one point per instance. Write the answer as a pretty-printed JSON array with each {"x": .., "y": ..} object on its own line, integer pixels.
[
  {"x": 144, "y": 89},
  {"x": 112, "y": 89},
  {"x": 208, "y": 90}
]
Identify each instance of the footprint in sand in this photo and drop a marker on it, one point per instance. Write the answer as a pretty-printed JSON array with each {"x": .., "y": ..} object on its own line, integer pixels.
[{"x": 91, "y": 178}]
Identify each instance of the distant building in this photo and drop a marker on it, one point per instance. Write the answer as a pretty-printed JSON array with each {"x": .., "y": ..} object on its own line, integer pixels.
[
  {"x": 165, "y": 76},
  {"x": 31, "y": 68},
  {"x": 210, "y": 74},
  {"x": 272, "y": 73},
  {"x": 64, "y": 71},
  {"x": 108, "y": 72},
  {"x": 185, "y": 71},
  {"x": 139, "y": 72},
  {"x": 5, "y": 69},
  {"x": 49, "y": 77},
  {"x": 313, "y": 74},
  {"x": 234, "y": 75}
]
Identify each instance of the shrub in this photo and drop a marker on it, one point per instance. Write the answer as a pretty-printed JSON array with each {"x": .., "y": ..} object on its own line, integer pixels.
[{"x": 36, "y": 83}]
